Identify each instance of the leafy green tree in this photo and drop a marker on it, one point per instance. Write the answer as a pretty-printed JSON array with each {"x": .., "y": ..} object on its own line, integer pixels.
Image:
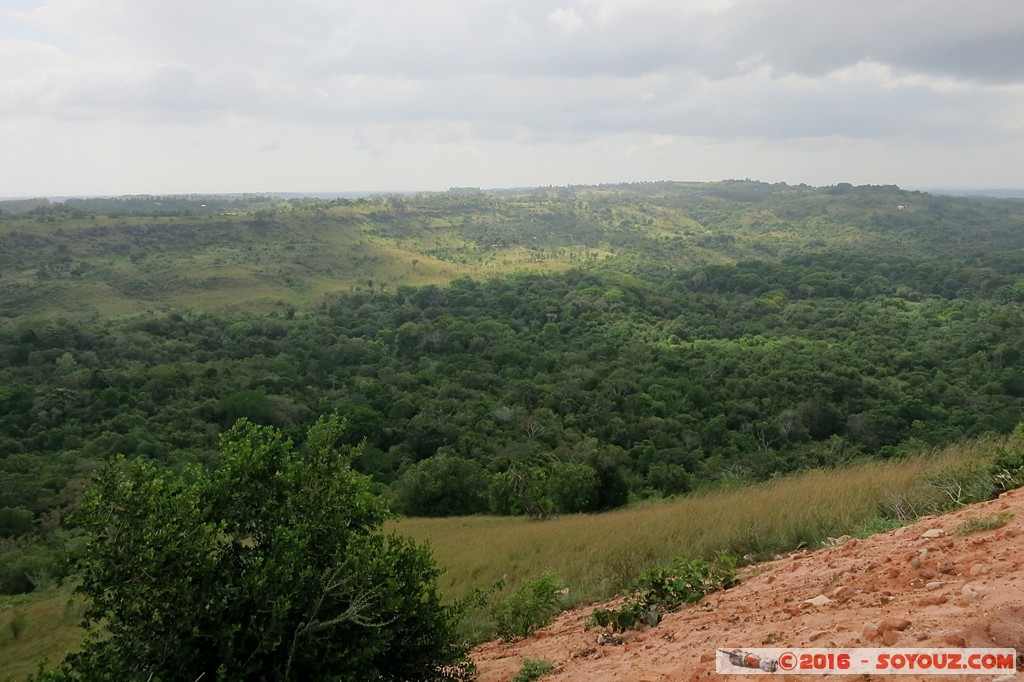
[
  {"x": 271, "y": 566},
  {"x": 522, "y": 489},
  {"x": 573, "y": 487},
  {"x": 442, "y": 486}
]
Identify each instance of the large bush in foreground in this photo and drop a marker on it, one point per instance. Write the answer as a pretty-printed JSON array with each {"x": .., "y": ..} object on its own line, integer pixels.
[{"x": 271, "y": 566}]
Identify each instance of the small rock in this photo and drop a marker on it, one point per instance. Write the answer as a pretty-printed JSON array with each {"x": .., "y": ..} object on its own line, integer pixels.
[
  {"x": 975, "y": 592},
  {"x": 921, "y": 636},
  {"x": 933, "y": 533},
  {"x": 946, "y": 569},
  {"x": 817, "y": 635},
  {"x": 841, "y": 593},
  {"x": 839, "y": 541},
  {"x": 927, "y": 575},
  {"x": 933, "y": 585},
  {"x": 820, "y": 600},
  {"x": 933, "y": 600},
  {"x": 707, "y": 657},
  {"x": 869, "y": 632},
  {"x": 769, "y": 580},
  {"x": 954, "y": 640},
  {"x": 898, "y": 624},
  {"x": 894, "y": 572},
  {"x": 979, "y": 569},
  {"x": 890, "y": 637},
  {"x": 915, "y": 562}
]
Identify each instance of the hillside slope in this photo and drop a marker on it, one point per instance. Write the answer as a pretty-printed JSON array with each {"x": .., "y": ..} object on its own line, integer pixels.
[{"x": 955, "y": 590}]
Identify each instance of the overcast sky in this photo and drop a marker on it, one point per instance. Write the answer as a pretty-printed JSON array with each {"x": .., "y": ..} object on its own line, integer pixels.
[{"x": 167, "y": 96}]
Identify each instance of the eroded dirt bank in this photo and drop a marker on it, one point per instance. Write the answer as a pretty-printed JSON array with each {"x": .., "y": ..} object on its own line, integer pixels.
[{"x": 918, "y": 586}]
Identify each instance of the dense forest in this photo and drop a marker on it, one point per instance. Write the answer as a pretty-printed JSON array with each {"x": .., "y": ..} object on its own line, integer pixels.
[{"x": 532, "y": 352}]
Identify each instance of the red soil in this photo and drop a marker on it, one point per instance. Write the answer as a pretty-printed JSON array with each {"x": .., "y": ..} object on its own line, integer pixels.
[{"x": 954, "y": 590}]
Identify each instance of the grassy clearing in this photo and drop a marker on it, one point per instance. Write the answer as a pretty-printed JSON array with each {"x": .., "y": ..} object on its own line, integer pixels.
[
  {"x": 599, "y": 555},
  {"x": 36, "y": 626}
]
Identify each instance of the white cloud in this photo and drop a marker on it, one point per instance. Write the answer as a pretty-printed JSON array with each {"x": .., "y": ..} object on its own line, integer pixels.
[
  {"x": 567, "y": 20},
  {"x": 452, "y": 80}
]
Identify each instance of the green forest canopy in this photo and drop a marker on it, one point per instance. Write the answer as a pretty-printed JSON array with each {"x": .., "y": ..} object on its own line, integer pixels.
[{"x": 530, "y": 351}]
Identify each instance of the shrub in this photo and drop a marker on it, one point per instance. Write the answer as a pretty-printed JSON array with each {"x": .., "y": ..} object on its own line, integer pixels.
[
  {"x": 531, "y": 606},
  {"x": 1008, "y": 465},
  {"x": 271, "y": 566},
  {"x": 661, "y": 590},
  {"x": 17, "y": 624},
  {"x": 533, "y": 669}
]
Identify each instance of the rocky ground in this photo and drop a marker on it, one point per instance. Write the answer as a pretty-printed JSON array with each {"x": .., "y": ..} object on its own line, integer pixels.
[{"x": 923, "y": 585}]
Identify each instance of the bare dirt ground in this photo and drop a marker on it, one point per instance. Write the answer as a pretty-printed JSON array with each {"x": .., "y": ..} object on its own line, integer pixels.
[{"x": 919, "y": 586}]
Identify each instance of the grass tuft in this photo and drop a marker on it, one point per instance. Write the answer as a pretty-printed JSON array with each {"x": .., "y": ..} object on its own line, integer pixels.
[{"x": 977, "y": 524}]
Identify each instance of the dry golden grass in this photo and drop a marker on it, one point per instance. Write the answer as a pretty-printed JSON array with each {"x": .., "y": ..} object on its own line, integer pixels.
[
  {"x": 49, "y": 629},
  {"x": 598, "y": 555}
]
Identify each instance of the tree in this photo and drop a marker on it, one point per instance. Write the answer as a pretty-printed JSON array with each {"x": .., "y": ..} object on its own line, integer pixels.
[
  {"x": 442, "y": 485},
  {"x": 270, "y": 567}
]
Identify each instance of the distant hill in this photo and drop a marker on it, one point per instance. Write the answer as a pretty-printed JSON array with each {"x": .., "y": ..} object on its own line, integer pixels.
[
  {"x": 994, "y": 193},
  {"x": 261, "y": 252}
]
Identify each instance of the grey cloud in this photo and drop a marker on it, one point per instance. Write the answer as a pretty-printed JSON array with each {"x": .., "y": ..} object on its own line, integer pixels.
[
  {"x": 938, "y": 37},
  {"x": 571, "y": 71},
  {"x": 415, "y": 39}
]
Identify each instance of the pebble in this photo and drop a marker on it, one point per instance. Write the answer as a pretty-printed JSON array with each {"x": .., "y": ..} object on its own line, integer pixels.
[
  {"x": 820, "y": 600},
  {"x": 933, "y": 533},
  {"x": 933, "y": 585}
]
